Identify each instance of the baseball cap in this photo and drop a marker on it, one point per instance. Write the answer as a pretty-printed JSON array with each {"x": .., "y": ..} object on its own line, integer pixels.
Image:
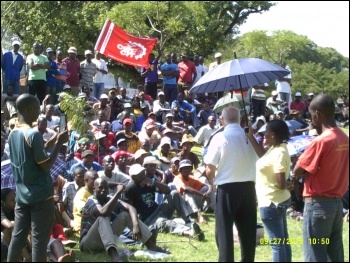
[
  {"x": 82, "y": 95},
  {"x": 87, "y": 153},
  {"x": 169, "y": 115},
  {"x": 139, "y": 153},
  {"x": 274, "y": 93},
  {"x": 149, "y": 124},
  {"x": 160, "y": 93},
  {"x": 151, "y": 113},
  {"x": 49, "y": 50},
  {"x": 260, "y": 118},
  {"x": 127, "y": 105},
  {"x": 121, "y": 140},
  {"x": 175, "y": 159},
  {"x": 150, "y": 160},
  {"x": 163, "y": 141},
  {"x": 218, "y": 55},
  {"x": 72, "y": 50},
  {"x": 103, "y": 96},
  {"x": 66, "y": 87},
  {"x": 297, "y": 94},
  {"x": 310, "y": 94},
  {"x": 16, "y": 42},
  {"x": 185, "y": 163},
  {"x": 88, "y": 52},
  {"x": 136, "y": 169},
  {"x": 127, "y": 120}
]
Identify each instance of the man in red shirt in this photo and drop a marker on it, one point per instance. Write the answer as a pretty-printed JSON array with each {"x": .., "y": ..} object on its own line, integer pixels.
[
  {"x": 73, "y": 69},
  {"x": 297, "y": 104},
  {"x": 325, "y": 165},
  {"x": 188, "y": 74}
]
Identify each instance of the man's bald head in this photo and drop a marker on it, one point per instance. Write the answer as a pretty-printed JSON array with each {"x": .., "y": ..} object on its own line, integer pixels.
[
  {"x": 90, "y": 174},
  {"x": 323, "y": 103}
]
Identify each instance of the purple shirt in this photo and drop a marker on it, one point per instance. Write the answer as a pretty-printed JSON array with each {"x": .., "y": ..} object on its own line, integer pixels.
[{"x": 152, "y": 76}]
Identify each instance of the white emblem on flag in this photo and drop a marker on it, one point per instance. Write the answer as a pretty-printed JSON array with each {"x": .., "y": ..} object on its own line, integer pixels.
[{"x": 132, "y": 49}]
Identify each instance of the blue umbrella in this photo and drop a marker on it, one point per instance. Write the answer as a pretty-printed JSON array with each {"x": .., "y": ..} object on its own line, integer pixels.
[
  {"x": 292, "y": 125},
  {"x": 297, "y": 144},
  {"x": 239, "y": 74}
]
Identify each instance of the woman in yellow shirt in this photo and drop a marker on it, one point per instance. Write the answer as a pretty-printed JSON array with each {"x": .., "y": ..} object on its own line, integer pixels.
[{"x": 272, "y": 171}]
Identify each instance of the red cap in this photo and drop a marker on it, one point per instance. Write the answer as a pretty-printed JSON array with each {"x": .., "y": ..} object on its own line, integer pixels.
[{"x": 127, "y": 120}]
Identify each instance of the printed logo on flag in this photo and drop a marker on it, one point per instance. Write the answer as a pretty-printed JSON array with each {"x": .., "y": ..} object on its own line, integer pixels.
[{"x": 123, "y": 47}]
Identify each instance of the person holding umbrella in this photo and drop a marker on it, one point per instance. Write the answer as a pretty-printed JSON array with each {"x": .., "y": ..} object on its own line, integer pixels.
[{"x": 272, "y": 187}]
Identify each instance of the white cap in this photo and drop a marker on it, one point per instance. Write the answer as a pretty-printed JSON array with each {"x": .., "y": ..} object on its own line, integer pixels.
[
  {"x": 260, "y": 118},
  {"x": 160, "y": 93},
  {"x": 87, "y": 52},
  {"x": 136, "y": 169},
  {"x": 150, "y": 160},
  {"x": 103, "y": 96},
  {"x": 297, "y": 94},
  {"x": 274, "y": 93},
  {"x": 16, "y": 42},
  {"x": 218, "y": 55}
]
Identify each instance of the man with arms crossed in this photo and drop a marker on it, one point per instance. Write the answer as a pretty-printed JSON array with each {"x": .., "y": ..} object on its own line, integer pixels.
[
  {"x": 231, "y": 156},
  {"x": 325, "y": 165}
]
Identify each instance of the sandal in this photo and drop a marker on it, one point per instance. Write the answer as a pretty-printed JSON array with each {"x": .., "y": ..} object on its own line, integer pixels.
[{"x": 162, "y": 250}]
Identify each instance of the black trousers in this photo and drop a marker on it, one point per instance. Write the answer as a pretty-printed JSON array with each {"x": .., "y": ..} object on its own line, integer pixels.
[
  {"x": 257, "y": 109},
  {"x": 236, "y": 204},
  {"x": 38, "y": 88},
  {"x": 151, "y": 89}
]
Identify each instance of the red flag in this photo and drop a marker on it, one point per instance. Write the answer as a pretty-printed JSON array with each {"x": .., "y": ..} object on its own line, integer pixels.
[{"x": 119, "y": 45}]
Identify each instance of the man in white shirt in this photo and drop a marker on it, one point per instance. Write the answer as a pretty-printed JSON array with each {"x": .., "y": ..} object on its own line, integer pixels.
[
  {"x": 52, "y": 121},
  {"x": 218, "y": 57},
  {"x": 200, "y": 69},
  {"x": 283, "y": 85},
  {"x": 205, "y": 133},
  {"x": 101, "y": 67},
  {"x": 230, "y": 163}
]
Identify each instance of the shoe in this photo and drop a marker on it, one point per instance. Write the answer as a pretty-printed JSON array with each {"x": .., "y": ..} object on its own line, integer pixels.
[
  {"x": 69, "y": 243},
  {"x": 198, "y": 232}
]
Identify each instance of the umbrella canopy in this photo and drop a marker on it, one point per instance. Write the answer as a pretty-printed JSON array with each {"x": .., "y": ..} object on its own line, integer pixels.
[
  {"x": 292, "y": 125},
  {"x": 238, "y": 74},
  {"x": 229, "y": 99}
]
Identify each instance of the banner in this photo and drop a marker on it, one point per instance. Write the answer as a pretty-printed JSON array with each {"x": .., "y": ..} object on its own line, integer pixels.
[{"x": 119, "y": 45}]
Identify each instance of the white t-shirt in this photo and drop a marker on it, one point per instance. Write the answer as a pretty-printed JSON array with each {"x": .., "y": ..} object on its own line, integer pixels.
[
  {"x": 232, "y": 156},
  {"x": 204, "y": 134},
  {"x": 55, "y": 120},
  {"x": 200, "y": 70},
  {"x": 100, "y": 64}
]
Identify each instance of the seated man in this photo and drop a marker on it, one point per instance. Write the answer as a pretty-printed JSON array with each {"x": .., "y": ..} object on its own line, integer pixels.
[
  {"x": 104, "y": 217},
  {"x": 87, "y": 163},
  {"x": 192, "y": 190},
  {"x": 141, "y": 194}
]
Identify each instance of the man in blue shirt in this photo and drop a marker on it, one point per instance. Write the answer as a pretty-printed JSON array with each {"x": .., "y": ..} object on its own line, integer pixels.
[
  {"x": 170, "y": 72},
  {"x": 51, "y": 74},
  {"x": 11, "y": 64},
  {"x": 87, "y": 163},
  {"x": 185, "y": 106}
]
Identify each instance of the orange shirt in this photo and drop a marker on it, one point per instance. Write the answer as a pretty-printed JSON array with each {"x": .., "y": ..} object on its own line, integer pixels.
[
  {"x": 326, "y": 160},
  {"x": 192, "y": 182}
]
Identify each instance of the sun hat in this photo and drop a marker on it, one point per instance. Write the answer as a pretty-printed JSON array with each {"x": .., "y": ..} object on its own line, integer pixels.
[
  {"x": 103, "y": 96},
  {"x": 185, "y": 163},
  {"x": 169, "y": 115},
  {"x": 187, "y": 138},
  {"x": 72, "y": 50},
  {"x": 150, "y": 160},
  {"x": 135, "y": 169},
  {"x": 139, "y": 153},
  {"x": 218, "y": 55},
  {"x": 274, "y": 93},
  {"x": 311, "y": 94},
  {"x": 163, "y": 141},
  {"x": 87, "y": 153}
]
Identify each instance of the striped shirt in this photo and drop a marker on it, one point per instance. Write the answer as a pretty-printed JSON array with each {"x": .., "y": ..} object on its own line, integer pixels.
[{"x": 88, "y": 71}]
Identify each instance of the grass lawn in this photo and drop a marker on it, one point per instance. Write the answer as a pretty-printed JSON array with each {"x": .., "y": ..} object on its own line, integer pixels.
[{"x": 206, "y": 251}]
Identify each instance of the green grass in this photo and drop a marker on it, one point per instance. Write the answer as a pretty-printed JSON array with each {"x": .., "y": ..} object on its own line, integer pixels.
[{"x": 206, "y": 251}]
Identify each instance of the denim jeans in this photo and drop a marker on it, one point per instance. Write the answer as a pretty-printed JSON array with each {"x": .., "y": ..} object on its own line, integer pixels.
[
  {"x": 323, "y": 231},
  {"x": 39, "y": 218},
  {"x": 170, "y": 92},
  {"x": 99, "y": 89},
  {"x": 13, "y": 83},
  {"x": 275, "y": 223}
]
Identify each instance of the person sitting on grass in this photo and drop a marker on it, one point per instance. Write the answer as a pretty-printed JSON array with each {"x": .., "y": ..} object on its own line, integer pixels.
[
  {"x": 192, "y": 190},
  {"x": 104, "y": 217},
  {"x": 187, "y": 143},
  {"x": 140, "y": 193}
]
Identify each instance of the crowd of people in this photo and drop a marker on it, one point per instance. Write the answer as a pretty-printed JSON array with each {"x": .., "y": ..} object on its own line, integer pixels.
[{"x": 134, "y": 168}]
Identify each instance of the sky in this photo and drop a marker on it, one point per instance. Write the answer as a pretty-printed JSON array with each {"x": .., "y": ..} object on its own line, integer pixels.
[{"x": 325, "y": 23}]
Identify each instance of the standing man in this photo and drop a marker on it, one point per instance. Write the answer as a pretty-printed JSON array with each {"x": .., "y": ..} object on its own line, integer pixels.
[
  {"x": 283, "y": 85},
  {"x": 34, "y": 187},
  {"x": 88, "y": 70},
  {"x": 62, "y": 74},
  {"x": 38, "y": 64},
  {"x": 188, "y": 74},
  {"x": 199, "y": 68},
  {"x": 11, "y": 64},
  {"x": 235, "y": 180},
  {"x": 51, "y": 74},
  {"x": 218, "y": 57},
  {"x": 325, "y": 168},
  {"x": 170, "y": 72},
  {"x": 151, "y": 74},
  {"x": 101, "y": 67},
  {"x": 73, "y": 70}
]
